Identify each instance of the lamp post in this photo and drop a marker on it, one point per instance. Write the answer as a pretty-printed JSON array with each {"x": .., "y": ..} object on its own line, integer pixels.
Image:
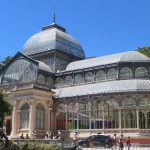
[{"x": 50, "y": 109}]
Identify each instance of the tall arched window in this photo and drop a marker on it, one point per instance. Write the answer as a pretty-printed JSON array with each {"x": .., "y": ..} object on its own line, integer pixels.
[
  {"x": 125, "y": 73},
  {"x": 41, "y": 79},
  {"x": 24, "y": 116},
  {"x": 78, "y": 78},
  {"x": 89, "y": 77},
  {"x": 40, "y": 116},
  {"x": 49, "y": 81},
  {"x": 111, "y": 73},
  {"x": 141, "y": 120},
  {"x": 130, "y": 120},
  {"x": 100, "y": 75},
  {"x": 141, "y": 72},
  {"x": 111, "y": 113},
  {"x": 148, "y": 120}
]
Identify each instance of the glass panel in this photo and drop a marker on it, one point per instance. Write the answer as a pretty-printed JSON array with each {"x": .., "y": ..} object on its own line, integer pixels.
[
  {"x": 111, "y": 114},
  {"x": 58, "y": 81},
  {"x": 125, "y": 73},
  {"x": 41, "y": 79},
  {"x": 100, "y": 75},
  {"x": 148, "y": 120},
  {"x": 40, "y": 112},
  {"x": 144, "y": 102},
  {"x": 61, "y": 117},
  {"x": 128, "y": 102},
  {"x": 78, "y": 78},
  {"x": 130, "y": 119},
  {"x": 111, "y": 73},
  {"x": 89, "y": 77},
  {"x": 83, "y": 115},
  {"x": 24, "y": 116},
  {"x": 141, "y": 72},
  {"x": 20, "y": 71},
  {"x": 49, "y": 81},
  {"x": 68, "y": 80},
  {"x": 141, "y": 120},
  {"x": 69, "y": 47}
]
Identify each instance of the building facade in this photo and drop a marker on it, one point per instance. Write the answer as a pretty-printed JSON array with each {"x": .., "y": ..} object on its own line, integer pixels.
[{"x": 52, "y": 86}]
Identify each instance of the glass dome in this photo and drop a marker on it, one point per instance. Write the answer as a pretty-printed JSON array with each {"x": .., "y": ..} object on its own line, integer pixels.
[{"x": 52, "y": 37}]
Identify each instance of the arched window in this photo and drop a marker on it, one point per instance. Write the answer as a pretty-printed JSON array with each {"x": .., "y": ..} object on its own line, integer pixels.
[
  {"x": 41, "y": 79},
  {"x": 130, "y": 120},
  {"x": 78, "y": 78},
  {"x": 100, "y": 75},
  {"x": 58, "y": 81},
  {"x": 89, "y": 77},
  {"x": 111, "y": 113},
  {"x": 126, "y": 73},
  {"x": 148, "y": 120},
  {"x": 49, "y": 81},
  {"x": 141, "y": 72},
  {"x": 24, "y": 116},
  {"x": 68, "y": 79},
  {"x": 111, "y": 73},
  {"x": 141, "y": 120},
  {"x": 40, "y": 116}
]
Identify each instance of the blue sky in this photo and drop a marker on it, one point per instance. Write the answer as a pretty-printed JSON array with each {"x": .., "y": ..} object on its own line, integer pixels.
[{"x": 101, "y": 26}]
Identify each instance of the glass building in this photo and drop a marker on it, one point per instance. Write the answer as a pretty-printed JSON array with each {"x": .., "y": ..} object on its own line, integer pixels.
[{"x": 52, "y": 86}]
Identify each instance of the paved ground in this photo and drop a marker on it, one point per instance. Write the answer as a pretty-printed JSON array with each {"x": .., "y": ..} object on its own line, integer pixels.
[
  {"x": 134, "y": 147},
  {"x": 140, "y": 143}
]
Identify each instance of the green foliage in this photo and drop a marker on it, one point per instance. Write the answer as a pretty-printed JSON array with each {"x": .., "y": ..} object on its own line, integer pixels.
[
  {"x": 5, "y": 108},
  {"x": 9, "y": 146},
  {"x": 5, "y": 61},
  {"x": 28, "y": 146},
  {"x": 144, "y": 50}
]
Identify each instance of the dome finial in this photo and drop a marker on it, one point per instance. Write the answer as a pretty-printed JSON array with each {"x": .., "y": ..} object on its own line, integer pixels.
[{"x": 54, "y": 18}]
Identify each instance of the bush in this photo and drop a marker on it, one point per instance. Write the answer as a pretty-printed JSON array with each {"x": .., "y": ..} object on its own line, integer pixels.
[
  {"x": 27, "y": 146},
  {"x": 47, "y": 147}
]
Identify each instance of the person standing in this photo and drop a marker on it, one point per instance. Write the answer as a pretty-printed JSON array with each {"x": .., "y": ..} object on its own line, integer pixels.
[
  {"x": 121, "y": 146},
  {"x": 128, "y": 143},
  {"x": 115, "y": 140}
]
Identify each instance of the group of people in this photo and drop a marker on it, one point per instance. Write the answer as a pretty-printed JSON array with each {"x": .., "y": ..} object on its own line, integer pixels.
[
  {"x": 120, "y": 141},
  {"x": 22, "y": 136},
  {"x": 52, "y": 136}
]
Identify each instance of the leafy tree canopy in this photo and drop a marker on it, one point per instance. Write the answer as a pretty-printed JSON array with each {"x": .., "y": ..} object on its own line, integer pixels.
[
  {"x": 5, "y": 61},
  {"x": 5, "y": 108},
  {"x": 144, "y": 50}
]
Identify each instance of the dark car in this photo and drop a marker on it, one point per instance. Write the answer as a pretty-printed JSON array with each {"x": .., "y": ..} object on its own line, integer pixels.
[{"x": 96, "y": 141}]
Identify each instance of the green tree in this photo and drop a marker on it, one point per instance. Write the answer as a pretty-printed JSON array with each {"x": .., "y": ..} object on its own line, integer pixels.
[
  {"x": 144, "y": 50},
  {"x": 5, "y": 108},
  {"x": 5, "y": 61}
]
